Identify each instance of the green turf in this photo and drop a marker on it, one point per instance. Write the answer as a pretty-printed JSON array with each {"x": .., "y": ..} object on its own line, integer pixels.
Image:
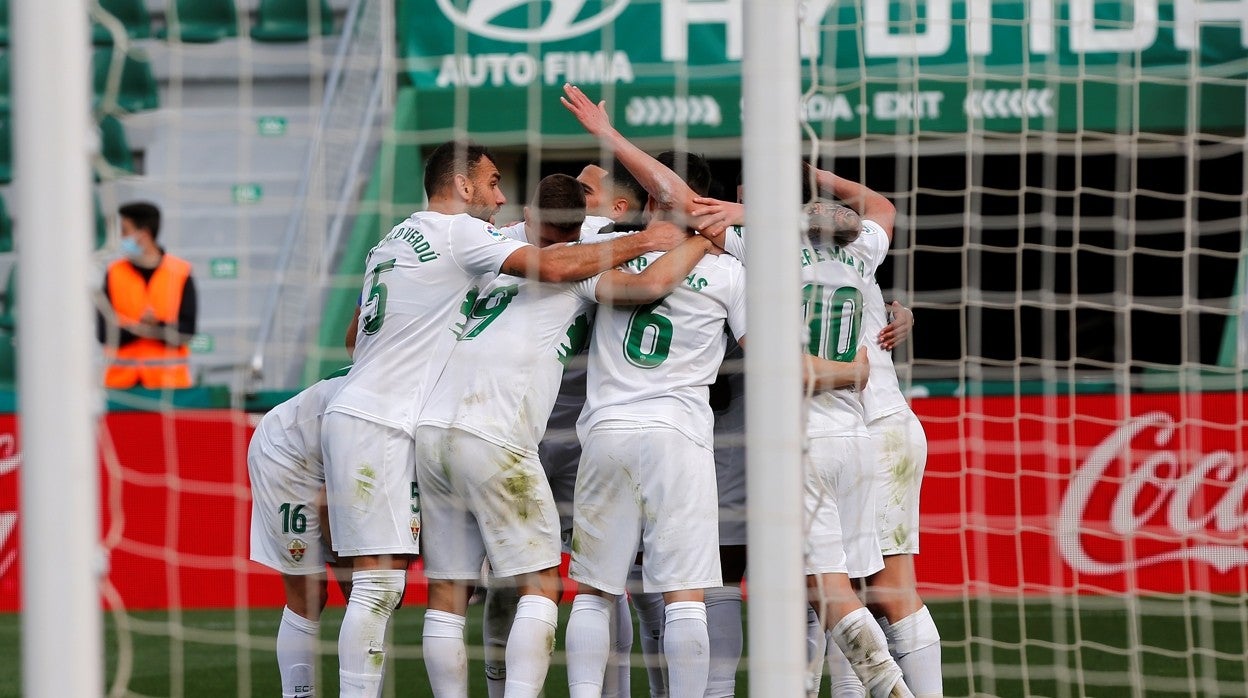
[{"x": 1074, "y": 646}]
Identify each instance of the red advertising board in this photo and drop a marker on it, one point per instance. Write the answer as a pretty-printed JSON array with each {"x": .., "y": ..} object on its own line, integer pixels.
[{"x": 1030, "y": 494}]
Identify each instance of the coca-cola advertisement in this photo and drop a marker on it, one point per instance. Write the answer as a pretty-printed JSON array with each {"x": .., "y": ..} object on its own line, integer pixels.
[
  {"x": 1023, "y": 494},
  {"x": 1087, "y": 493}
]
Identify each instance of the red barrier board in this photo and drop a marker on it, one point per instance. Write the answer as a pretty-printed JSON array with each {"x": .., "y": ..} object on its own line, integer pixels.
[{"x": 1031, "y": 494}]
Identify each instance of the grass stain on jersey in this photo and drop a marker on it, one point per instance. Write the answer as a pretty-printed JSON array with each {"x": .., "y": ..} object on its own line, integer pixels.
[{"x": 365, "y": 481}]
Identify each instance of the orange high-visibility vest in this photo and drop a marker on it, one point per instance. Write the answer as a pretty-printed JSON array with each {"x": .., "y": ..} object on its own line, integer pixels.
[{"x": 148, "y": 361}]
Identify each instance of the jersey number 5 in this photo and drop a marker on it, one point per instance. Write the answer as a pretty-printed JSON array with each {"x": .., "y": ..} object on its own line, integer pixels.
[
  {"x": 373, "y": 314},
  {"x": 835, "y": 321}
]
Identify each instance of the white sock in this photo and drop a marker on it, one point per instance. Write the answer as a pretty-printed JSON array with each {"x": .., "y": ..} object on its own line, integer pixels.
[
  {"x": 816, "y": 647},
  {"x": 588, "y": 644},
  {"x": 362, "y": 639},
  {"x": 650, "y": 624},
  {"x": 617, "y": 683},
  {"x": 529, "y": 646},
  {"x": 862, "y": 641},
  {"x": 296, "y": 654},
  {"x": 446, "y": 659},
  {"x": 845, "y": 683},
  {"x": 687, "y": 649},
  {"x": 915, "y": 643},
  {"x": 723, "y": 626},
  {"x": 496, "y": 617}
]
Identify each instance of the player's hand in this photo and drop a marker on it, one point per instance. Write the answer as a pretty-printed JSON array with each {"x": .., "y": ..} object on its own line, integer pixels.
[
  {"x": 662, "y": 236},
  {"x": 898, "y": 329},
  {"x": 593, "y": 117},
  {"x": 713, "y": 217}
]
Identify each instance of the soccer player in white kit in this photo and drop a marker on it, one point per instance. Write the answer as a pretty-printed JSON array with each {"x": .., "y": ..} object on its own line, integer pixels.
[
  {"x": 900, "y": 450},
  {"x": 416, "y": 279},
  {"x": 287, "y": 482},
  {"x": 613, "y": 203},
  {"x": 483, "y": 491}
]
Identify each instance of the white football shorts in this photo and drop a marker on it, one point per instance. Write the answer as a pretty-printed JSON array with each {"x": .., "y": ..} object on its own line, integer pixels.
[
  {"x": 840, "y": 507},
  {"x": 649, "y": 483},
  {"x": 480, "y": 500},
  {"x": 285, "y": 523},
  {"x": 370, "y": 484},
  {"x": 901, "y": 457}
]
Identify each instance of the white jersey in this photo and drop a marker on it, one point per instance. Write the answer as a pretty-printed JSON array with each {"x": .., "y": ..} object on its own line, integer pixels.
[
  {"x": 416, "y": 279},
  {"x": 291, "y": 432},
  {"x": 653, "y": 363},
  {"x": 514, "y": 338},
  {"x": 835, "y": 279},
  {"x": 883, "y": 395}
]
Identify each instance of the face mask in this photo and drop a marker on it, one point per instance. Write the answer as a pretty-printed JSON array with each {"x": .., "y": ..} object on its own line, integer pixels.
[{"x": 130, "y": 248}]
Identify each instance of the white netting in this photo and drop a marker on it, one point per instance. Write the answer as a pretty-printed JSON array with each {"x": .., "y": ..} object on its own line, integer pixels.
[{"x": 1069, "y": 179}]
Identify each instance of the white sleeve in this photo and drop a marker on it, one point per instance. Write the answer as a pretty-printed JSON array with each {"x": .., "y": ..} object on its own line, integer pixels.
[
  {"x": 734, "y": 242},
  {"x": 478, "y": 247},
  {"x": 515, "y": 231},
  {"x": 875, "y": 242},
  {"x": 736, "y": 301},
  {"x": 587, "y": 288}
]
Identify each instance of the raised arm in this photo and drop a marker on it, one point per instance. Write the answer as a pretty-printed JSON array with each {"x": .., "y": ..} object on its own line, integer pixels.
[
  {"x": 868, "y": 203},
  {"x": 572, "y": 262},
  {"x": 666, "y": 273},
  {"x": 668, "y": 190}
]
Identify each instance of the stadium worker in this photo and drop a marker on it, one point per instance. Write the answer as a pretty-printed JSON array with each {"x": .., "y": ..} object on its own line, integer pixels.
[
  {"x": 153, "y": 304},
  {"x": 483, "y": 491},
  {"x": 288, "y": 533},
  {"x": 613, "y": 204},
  {"x": 416, "y": 279}
]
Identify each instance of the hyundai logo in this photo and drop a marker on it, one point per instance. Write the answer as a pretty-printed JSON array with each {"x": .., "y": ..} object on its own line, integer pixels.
[{"x": 562, "y": 21}]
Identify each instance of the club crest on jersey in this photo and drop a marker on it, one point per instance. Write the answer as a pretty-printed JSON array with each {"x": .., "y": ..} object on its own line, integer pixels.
[
  {"x": 416, "y": 528},
  {"x": 296, "y": 549}
]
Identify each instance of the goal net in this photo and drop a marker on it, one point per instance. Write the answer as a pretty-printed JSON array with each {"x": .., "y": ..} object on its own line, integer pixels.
[{"x": 1069, "y": 179}]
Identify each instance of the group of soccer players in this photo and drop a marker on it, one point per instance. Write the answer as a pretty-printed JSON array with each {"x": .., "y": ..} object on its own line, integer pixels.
[{"x": 468, "y": 344}]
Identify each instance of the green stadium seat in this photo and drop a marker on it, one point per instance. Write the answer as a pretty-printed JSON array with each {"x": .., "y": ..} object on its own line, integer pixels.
[
  {"x": 8, "y": 359},
  {"x": 101, "y": 225},
  {"x": 4, "y": 22},
  {"x": 131, "y": 13},
  {"x": 200, "y": 21},
  {"x": 6, "y": 228},
  {"x": 6, "y": 147},
  {"x": 113, "y": 144},
  {"x": 138, "y": 90},
  {"x": 8, "y": 309},
  {"x": 291, "y": 20},
  {"x": 6, "y": 85}
]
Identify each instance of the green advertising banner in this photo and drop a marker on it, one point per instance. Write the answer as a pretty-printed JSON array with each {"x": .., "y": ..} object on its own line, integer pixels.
[{"x": 495, "y": 67}]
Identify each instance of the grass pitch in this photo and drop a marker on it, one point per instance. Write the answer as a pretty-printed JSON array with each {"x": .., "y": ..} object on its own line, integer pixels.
[{"x": 1052, "y": 646}]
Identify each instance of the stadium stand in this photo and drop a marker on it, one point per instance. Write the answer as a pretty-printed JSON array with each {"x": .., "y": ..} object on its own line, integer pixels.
[
  {"x": 137, "y": 91},
  {"x": 113, "y": 145},
  {"x": 200, "y": 21},
  {"x": 291, "y": 20},
  {"x": 4, "y": 22},
  {"x": 132, "y": 14}
]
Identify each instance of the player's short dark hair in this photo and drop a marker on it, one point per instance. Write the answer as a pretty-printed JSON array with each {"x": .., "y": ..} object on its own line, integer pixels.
[
  {"x": 142, "y": 214},
  {"x": 623, "y": 181},
  {"x": 691, "y": 167},
  {"x": 559, "y": 201},
  {"x": 452, "y": 158}
]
